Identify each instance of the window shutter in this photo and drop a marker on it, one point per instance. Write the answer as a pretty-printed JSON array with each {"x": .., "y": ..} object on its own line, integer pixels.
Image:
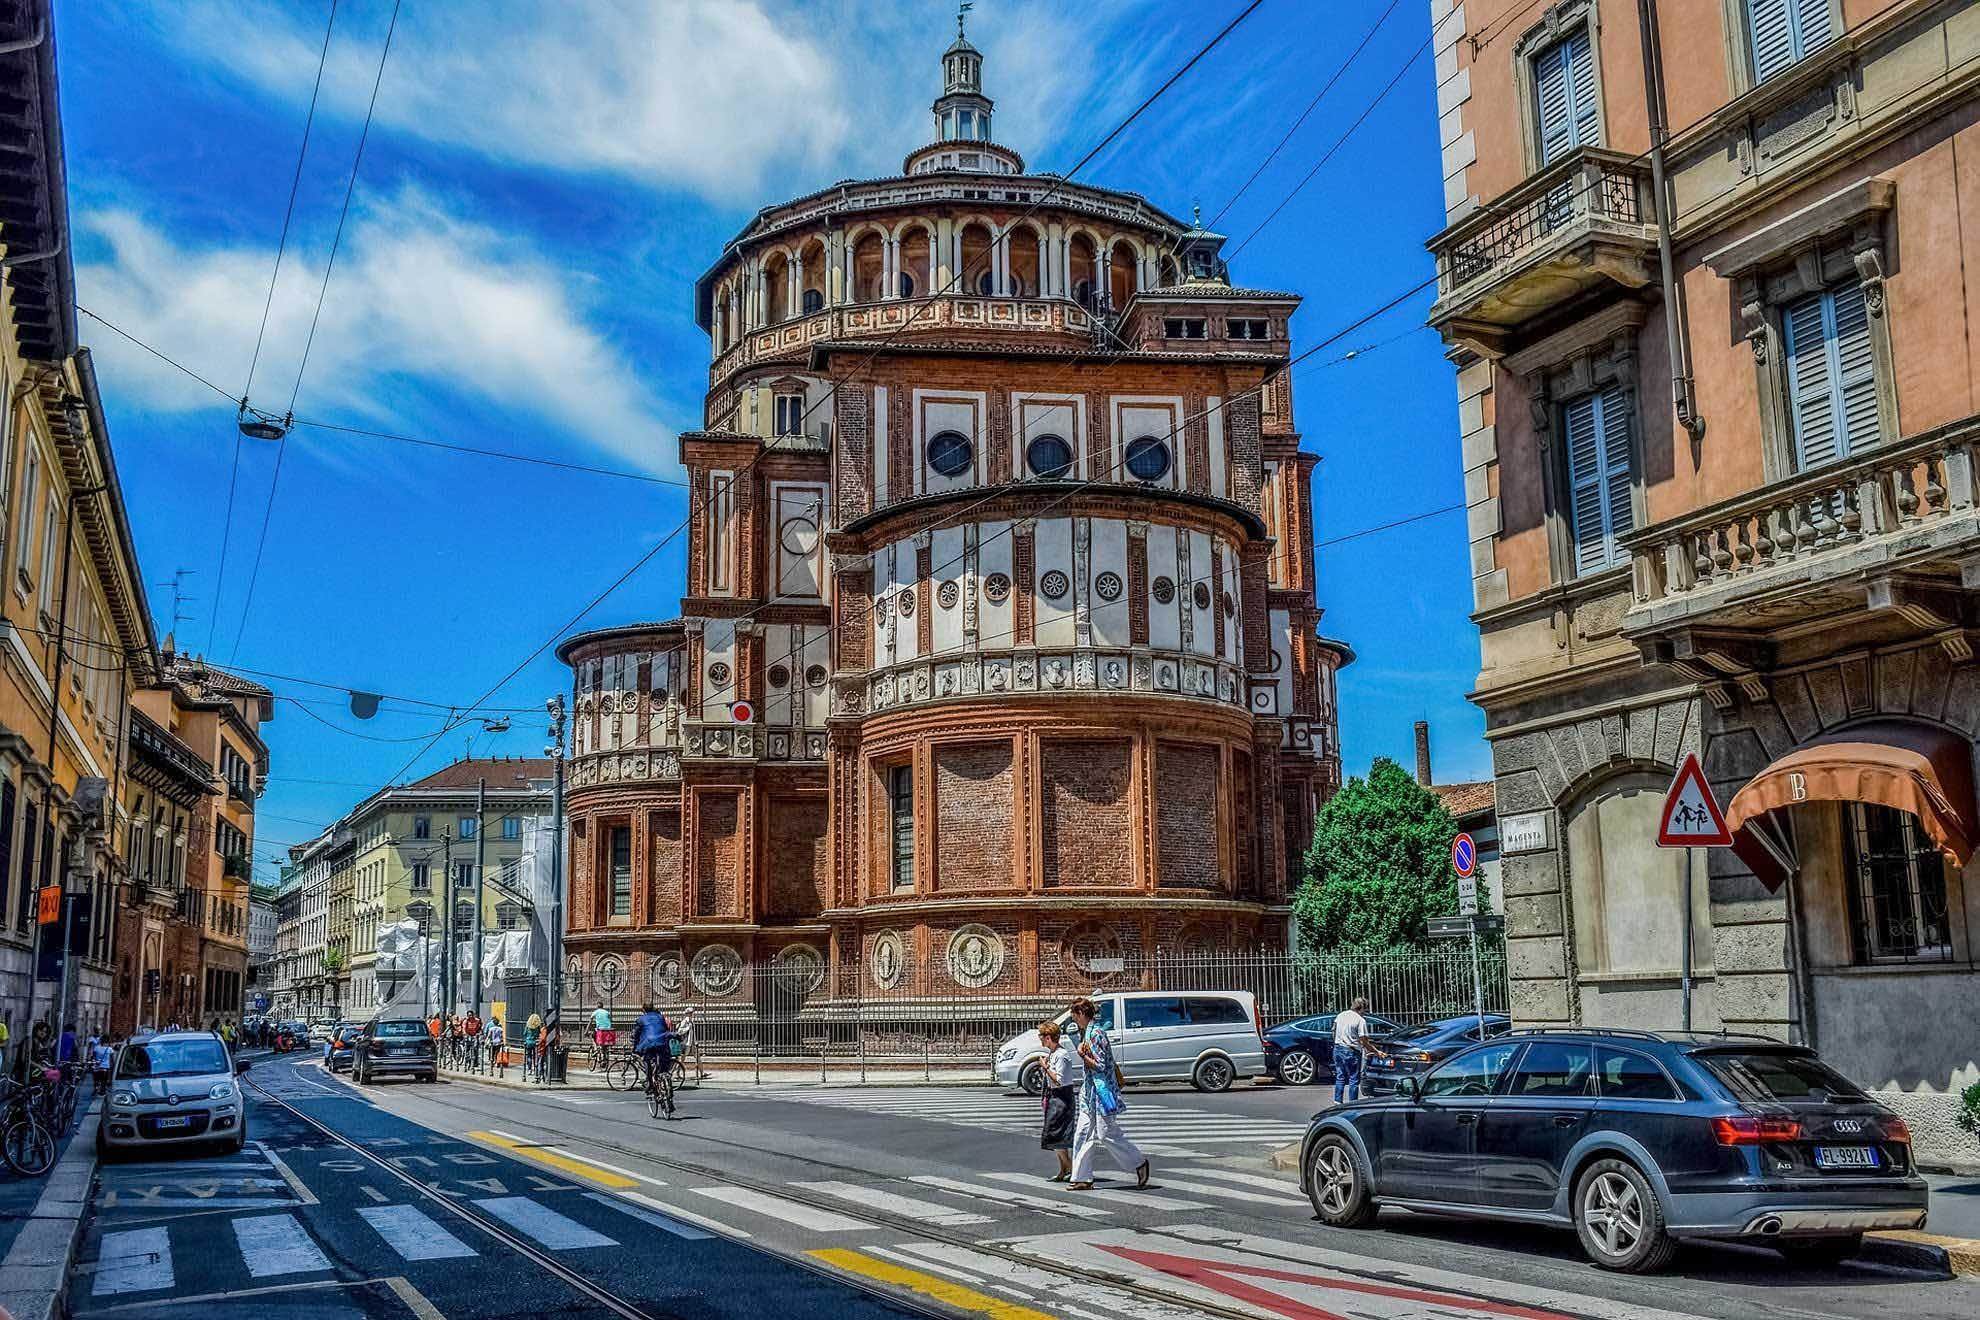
[
  {"x": 1812, "y": 26},
  {"x": 1771, "y": 27},
  {"x": 1581, "y": 82},
  {"x": 1856, "y": 370},
  {"x": 1615, "y": 463},
  {"x": 1551, "y": 87},
  {"x": 1584, "y": 450},
  {"x": 1811, "y": 400}
]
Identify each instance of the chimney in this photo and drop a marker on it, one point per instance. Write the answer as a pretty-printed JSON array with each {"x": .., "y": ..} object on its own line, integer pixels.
[{"x": 1423, "y": 752}]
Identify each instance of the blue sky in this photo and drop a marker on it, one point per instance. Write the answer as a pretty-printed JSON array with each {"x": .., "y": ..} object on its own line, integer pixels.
[{"x": 540, "y": 187}]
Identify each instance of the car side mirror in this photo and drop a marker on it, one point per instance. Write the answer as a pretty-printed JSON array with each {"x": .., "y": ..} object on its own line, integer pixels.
[
  {"x": 1410, "y": 1088},
  {"x": 242, "y": 1065}
]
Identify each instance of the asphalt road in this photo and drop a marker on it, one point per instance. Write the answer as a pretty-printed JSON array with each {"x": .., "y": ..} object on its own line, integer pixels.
[{"x": 806, "y": 1201}]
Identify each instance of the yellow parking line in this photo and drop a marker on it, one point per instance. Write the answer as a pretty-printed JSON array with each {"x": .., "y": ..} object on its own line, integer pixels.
[
  {"x": 566, "y": 1163},
  {"x": 928, "y": 1285}
]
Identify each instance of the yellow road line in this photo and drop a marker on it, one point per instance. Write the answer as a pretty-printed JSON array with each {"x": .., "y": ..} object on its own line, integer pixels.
[
  {"x": 565, "y": 1163},
  {"x": 928, "y": 1285}
]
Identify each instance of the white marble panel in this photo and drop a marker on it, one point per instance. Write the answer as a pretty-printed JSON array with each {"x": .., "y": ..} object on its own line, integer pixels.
[
  {"x": 1107, "y": 566},
  {"x": 1234, "y": 624},
  {"x": 948, "y": 410},
  {"x": 1220, "y": 479},
  {"x": 1282, "y": 658},
  {"x": 879, "y": 431},
  {"x": 718, "y": 648},
  {"x": 1164, "y": 619},
  {"x": 1033, "y": 415},
  {"x": 1202, "y": 617},
  {"x": 1053, "y": 553},
  {"x": 996, "y": 621},
  {"x": 948, "y": 568}
]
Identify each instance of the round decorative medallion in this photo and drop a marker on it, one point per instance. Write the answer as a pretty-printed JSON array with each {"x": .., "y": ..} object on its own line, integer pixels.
[
  {"x": 904, "y": 601},
  {"x": 1089, "y": 946},
  {"x": 718, "y": 674},
  {"x": 610, "y": 973},
  {"x": 574, "y": 967},
  {"x": 883, "y": 606},
  {"x": 889, "y": 960},
  {"x": 1163, "y": 590},
  {"x": 997, "y": 588},
  {"x": 1055, "y": 585},
  {"x": 778, "y": 676},
  {"x": 976, "y": 956},
  {"x": 1230, "y": 606},
  {"x": 948, "y": 594},
  {"x": 717, "y": 970},
  {"x": 1202, "y": 596},
  {"x": 665, "y": 975},
  {"x": 800, "y": 537},
  {"x": 805, "y": 964},
  {"x": 815, "y": 676},
  {"x": 1107, "y": 586}
]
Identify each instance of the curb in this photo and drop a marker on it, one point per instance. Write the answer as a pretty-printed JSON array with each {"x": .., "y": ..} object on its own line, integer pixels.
[
  {"x": 1925, "y": 1251},
  {"x": 34, "y": 1278},
  {"x": 719, "y": 1079}
]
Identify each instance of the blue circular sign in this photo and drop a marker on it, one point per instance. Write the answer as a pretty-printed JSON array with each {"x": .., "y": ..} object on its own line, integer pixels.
[{"x": 1464, "y": 854}]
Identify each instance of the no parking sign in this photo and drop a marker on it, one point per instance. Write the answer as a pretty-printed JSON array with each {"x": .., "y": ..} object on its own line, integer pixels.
[{"x": 1464, "y": 860}]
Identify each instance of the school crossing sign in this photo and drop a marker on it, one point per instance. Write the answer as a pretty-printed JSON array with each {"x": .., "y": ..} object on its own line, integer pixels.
[{"x": 1691, "y": 817}]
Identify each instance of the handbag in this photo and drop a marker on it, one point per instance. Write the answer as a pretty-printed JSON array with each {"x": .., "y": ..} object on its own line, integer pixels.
[{"x": 1106, "y": 1099}]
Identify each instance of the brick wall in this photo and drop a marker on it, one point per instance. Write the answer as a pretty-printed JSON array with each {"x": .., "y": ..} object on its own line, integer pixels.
[
  {"x": 798, "y": 855},
  {"x": 715, "y": 855},
  {"x": 664, "y": 852},
  {"x": 1187, "y": 790},
  {"x": 1084, "y": 820},
  {"x": 974, "y": 804}
]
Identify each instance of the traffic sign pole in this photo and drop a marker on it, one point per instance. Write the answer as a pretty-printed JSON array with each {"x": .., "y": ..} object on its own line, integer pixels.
[{"x": 1685, "y": 942}]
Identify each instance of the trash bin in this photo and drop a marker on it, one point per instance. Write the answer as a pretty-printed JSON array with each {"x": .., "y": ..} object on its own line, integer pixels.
[{"x": 558, "y": 1059}]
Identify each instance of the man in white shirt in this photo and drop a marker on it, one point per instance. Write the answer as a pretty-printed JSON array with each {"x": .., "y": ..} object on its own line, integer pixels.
[{"x": 1350, "y": 1048}]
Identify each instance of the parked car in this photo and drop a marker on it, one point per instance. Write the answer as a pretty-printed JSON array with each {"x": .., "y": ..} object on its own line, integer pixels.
[
  {"x": 175, "y": 1088},
  {"x": 1302, "y": 1052},
  {"x": 394, "y": 1046},
  {"x": 1208, "y": 1038},
  {"x": 1634, "y": 1139},
  {"x": 341, "y": 1045},
  {"x": 1413, "y": 1051},
  {"x": 289, "y": 1036}
]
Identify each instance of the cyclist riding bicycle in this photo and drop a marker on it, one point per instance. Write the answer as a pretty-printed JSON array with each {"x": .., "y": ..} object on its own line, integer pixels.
[{"x": 654, "y": 1037}]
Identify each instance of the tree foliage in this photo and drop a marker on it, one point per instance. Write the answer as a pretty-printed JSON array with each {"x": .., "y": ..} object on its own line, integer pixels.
[{"x": 1379, "y": 867}]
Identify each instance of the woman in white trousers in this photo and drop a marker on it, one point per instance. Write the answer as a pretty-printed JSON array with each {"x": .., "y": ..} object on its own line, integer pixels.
[{"x": 1095, "y": 1129}]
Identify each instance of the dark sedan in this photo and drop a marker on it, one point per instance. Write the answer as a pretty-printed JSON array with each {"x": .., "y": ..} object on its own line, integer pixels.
[
  {"x": 339, "y": 1050},
  {"x": 1634, "y": 1139},
  {"x": 1413, "y": 1051},
  {"x": 1301, "y": 1052}
]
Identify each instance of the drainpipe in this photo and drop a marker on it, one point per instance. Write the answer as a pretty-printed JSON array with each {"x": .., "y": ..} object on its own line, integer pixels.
[{"x": 1676, "y": 324}]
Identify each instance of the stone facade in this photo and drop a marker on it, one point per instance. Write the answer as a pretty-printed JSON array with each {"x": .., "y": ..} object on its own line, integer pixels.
[{"x": 1000, "y": 630}]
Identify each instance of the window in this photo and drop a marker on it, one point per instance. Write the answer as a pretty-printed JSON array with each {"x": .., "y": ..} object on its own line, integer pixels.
[
  {"x": 1564, "y": 89},
  {"x": 1156, "y": 1012},
  {"x": 512, "y": 828},
  {"x": 1215, "y": 1011},
  {"x": 814, "y": 301},
  {"x": 469, "y": 825},
  {"x": 1473, "y": 1073},
  {"x": 1769, "y": 1077},
  {"x": 422, "y": 827},
  {"x": 1628, "y": 1076},
  {"x": 51, "y": 539},
  {"x": 1554, "y": 1068},
  {"x": 621, "y": 845},
  {"x": 1147, "y": 458},
  {"x": 463, "y": 875},
  {"x": 1250, "y": 328},
  {"x": 422, "y": 877},
  {"x": 790, "y": 414},
  {"x": 1048, "y": 456},
  {"x": 1832, "y": 375},
  {"x": 30, "y": 496},
  {"x": 1897, "y": 887},
  {"x": 1599, "y": 507},
  {"x": 949, "y": 453},
  {"x": 463, "y": 918},
  {"x": 507, "y": 916},
  {"x": 1780, "y": 33},
  {"x": 1183, "y": 327},
  {"x": 900, "y": 826}
]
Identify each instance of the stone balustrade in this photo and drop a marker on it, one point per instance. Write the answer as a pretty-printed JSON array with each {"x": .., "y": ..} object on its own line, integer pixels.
[{"x": 952, "y": 315}]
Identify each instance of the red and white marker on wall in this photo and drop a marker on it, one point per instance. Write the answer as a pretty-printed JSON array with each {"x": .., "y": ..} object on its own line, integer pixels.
[{"x": 741, "y": 712}]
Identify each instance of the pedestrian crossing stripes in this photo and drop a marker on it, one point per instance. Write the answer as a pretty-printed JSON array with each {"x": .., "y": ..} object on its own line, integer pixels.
[
  {"x": 277, "y": 1244},
  {"x": 136, "y": 1260},
  {"x": 535, "y": 1220},
  {"x": 412, "y": 1234}
]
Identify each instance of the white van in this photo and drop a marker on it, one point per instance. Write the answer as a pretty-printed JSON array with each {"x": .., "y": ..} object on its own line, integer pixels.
[{"x": 1208, "y": 1038}]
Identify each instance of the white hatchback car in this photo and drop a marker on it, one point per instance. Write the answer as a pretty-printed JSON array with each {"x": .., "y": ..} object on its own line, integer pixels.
[
  {"x": 1208, "y": 1038},
  {"x": 173, "y": 1089}
]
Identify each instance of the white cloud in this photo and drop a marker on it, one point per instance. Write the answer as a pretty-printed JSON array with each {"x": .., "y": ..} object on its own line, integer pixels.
[{"x": 419, "y": 296}]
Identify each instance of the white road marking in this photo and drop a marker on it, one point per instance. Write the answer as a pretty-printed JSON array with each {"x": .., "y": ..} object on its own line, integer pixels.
[
  {"x": 1284, "y": 1186},
  {"x": 1048, "y": 1290},
  {"x": 1007, "y": 1197},
  {"x": 277, "y": 1244},
  {"x": 1232, "y": 1193},
  {"x": 412, "y": 1234},
  {"x": 549, "y": 1228},
  {"x": 137, "y": 1260},
  {"x": 715, "y": 1226},
  {"x": 1151, "y": 1200},
  {"x": 776, "y": 1207},
  {"x": 302, "y": 1192},
  {"x": 591, "y": 1159},
  {"x": 872, "y": 1198},
  {"x": 659, "y": 1216}
]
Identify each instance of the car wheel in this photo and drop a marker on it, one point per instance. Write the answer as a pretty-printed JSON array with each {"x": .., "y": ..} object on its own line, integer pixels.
[
  {"x": 1620, "y": 1220},
  {"x": 364, "y": 1076},
  {"x": 1336, "y": 1184},
  {"x": 1212, "y": 1074},
  {"x": 1820, "y": 1251},
  {"x": 1298, "y": 1068},
  {"x": 1031, "y": 1078}
]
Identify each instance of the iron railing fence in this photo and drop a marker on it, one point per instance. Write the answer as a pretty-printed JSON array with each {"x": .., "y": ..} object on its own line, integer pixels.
[{"x": 919, "y": 1016}]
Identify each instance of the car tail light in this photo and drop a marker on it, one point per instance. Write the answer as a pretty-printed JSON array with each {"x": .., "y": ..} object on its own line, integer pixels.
[
  {"x": 1896, "y": 1129},
  {"x": 1744, "y": 1130}
]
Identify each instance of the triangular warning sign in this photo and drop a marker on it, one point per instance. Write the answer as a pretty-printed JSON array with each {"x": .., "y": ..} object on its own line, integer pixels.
[{"x": 1691, "y": 818}]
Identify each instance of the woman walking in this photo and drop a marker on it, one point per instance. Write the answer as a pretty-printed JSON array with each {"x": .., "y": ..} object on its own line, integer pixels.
[
  {"x": 1064, "y": 1073},
  {"x": 532, "y": 1038},
  {"x": 1100, "y": 1107}
]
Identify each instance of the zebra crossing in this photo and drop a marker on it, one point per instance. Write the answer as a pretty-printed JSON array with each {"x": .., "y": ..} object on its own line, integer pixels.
[{"x": 1163, "y": 1130}]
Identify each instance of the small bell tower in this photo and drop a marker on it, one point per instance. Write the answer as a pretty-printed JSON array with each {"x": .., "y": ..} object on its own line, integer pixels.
[{"x": 963, "y": 139}]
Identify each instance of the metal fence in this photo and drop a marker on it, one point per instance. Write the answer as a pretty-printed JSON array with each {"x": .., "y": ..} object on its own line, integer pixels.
[{"x": 797, "y": 1013}]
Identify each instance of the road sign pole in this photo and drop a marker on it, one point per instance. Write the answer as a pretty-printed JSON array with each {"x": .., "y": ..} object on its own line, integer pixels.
[
  {"x": 1685, "y": 942},
  {"x": 1477, "y": 983}
]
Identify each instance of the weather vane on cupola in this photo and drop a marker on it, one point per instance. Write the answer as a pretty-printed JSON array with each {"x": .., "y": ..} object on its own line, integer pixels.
[{"x": 961, "y": 10}]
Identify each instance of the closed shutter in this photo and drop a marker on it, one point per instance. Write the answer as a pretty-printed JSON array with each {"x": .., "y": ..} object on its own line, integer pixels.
[
  {"x": 1770, "y": 23},
  {"x": 1599, "y": 505},
  {"x": 1832, "y": 376},
  {"x": 1856, "y": 369},
  {"x": 1812, "y": 401},
  {"x": 1564, "y": 86},
  {"x": 1811, "y": 24}
]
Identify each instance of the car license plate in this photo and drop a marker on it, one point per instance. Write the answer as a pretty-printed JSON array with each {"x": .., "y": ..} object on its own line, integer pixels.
[
  {"x": 1846, "y": 1157},
  {"x": 183, "y": 1120}
]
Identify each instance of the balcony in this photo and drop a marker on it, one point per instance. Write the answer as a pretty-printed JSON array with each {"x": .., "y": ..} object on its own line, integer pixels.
[
  {"x": 791, "y": 339},
  {"x": 1583, "y": 223},
  {"x": 1892, "y": 532}
]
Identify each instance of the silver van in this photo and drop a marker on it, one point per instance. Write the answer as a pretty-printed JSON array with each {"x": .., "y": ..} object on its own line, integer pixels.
[{"x": 1208, "y": 1038}]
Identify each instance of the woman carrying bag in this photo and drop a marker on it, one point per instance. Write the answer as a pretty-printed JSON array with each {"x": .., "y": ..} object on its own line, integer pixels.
[
  {"x": 1064, "y": 1072},
  {"x": 1100, "y": 1106}
]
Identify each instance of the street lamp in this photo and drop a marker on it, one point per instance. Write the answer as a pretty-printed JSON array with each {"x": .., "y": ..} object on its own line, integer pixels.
[{"x": 555, "y": 751}]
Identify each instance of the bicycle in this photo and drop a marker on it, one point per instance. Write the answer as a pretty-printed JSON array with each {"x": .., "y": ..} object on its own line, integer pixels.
[
  {"x": 27, "y": 1142},
  {"x": 659, "y": 1090}
]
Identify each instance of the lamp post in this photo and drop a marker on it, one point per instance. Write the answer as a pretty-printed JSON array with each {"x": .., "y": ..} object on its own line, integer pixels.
[{"x": 556, "y": 934}]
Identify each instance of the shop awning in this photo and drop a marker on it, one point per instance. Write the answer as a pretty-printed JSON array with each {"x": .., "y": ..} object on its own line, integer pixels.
[{"x": 1910, "y": 767}]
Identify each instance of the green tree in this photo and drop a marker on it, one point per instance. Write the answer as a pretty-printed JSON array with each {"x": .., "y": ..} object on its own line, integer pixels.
[{"x": 1379, "y": 867}]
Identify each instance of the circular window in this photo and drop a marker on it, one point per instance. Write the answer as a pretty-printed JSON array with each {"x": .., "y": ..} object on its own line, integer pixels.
[
  {"x": 1202, "y": 596},
  {"x": 1147, "y": 458},
  {"x": 1107, "y": 586},
  {"x": 1163, "y": 590},
  {"x": 904, "y": 602},
  {"x": 779, "y": 676},
  {"x": 1048, "y": 456},
  {"x": 718, "y": 673},
  {"x": 1055, "y": 584},
  {"x": 815, "y": 676},
  {"x": 997, "y": 588},
  {"x": 949, "y": 453},
  {"x": 800, "y": 536},
  {"x": 948, "y": 594}
]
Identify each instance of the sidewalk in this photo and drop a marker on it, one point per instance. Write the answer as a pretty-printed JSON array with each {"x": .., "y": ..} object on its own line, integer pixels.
[
  {"x": 42, "y": 1240},
  {"x": 582, "y": 1078}
]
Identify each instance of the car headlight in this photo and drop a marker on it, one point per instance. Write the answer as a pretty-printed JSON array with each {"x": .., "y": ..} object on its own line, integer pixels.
[
  {"x": 221, "y": 1091},
  {"x": 1006, "y": 1054},
  {"x": 123, "y": 1099}
]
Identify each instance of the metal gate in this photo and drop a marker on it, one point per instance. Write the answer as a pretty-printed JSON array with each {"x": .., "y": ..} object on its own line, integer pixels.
[{"x": 780, "y": 992}]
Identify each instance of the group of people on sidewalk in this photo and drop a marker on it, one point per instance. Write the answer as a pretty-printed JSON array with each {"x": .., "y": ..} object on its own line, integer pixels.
[{"x": 1083, "y": 1103}]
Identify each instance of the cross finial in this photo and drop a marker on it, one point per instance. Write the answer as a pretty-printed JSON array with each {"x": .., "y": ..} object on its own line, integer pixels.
[
  {"x": 1196, "y": 214},
  {"x": 962, "y": 9}
]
